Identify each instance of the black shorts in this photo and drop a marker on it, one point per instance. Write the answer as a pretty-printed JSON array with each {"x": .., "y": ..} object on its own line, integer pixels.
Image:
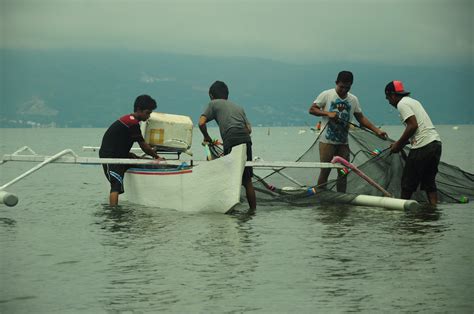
[
  {"x": 115, "y": 173},
  {"x": 248, "y": 171},
  {"x": 421, "y": 168}
]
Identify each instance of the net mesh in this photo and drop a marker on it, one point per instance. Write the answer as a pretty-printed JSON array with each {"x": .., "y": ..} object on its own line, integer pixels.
[{"x": 371, "y": 155}]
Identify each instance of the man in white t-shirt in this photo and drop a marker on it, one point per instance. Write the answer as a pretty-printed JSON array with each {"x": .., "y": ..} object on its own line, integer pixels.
[
  {"x": 422, "y": 162},
  {"x": 336, "y": 107}
]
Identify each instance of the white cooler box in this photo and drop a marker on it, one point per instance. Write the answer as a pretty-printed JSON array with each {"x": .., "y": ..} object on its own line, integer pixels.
[{"x": 168, "y": 132}]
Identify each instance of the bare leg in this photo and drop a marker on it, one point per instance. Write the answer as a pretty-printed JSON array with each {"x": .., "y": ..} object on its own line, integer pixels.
[
  {"x": 323, "y": 176},
  {"x": 113, "y": 198},
  {"x": 341, "y": 185},
  {"x": 250, "y": 193},
  {"x": 432, "y": 197},
  {"x": 344, "y": 152},
  {"x": 326, "y": 153}
]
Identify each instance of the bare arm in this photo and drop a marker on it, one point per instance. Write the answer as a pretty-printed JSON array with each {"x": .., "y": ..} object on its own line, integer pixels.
[
  {"x": 410, "y": 129},
  {"x": 203, "y": 128},
  {"x": 148, "y": 150},
  {"x": 316, "y": 111},
  {"x": 367, "y": 124}
]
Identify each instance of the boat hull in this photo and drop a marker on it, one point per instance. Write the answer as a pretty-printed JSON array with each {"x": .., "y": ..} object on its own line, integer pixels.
[{"x": 211, "y": 186}]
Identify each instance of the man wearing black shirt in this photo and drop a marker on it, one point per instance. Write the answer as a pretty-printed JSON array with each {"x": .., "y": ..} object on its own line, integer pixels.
[{"x": 119, "y": 139}]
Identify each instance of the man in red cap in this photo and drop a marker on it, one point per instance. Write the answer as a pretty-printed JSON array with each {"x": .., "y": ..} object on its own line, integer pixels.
[{"x": 422, "y": 162}]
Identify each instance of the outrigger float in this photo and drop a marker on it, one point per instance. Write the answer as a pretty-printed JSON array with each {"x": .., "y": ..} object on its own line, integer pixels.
[{"x": 183, "y": 185}]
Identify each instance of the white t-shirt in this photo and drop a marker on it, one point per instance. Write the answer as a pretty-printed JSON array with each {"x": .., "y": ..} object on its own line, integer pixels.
[
  {"x": 329, "y": 100},
  {"x": 426, "y": 132}
]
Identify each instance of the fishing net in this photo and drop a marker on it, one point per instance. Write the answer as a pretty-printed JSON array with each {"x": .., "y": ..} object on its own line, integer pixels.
[
  {"x": 372, "y": 156},
  {"x": 213, "y": 149}
]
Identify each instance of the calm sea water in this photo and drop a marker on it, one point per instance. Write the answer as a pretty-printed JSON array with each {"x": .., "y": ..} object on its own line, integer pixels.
[{"x": 63, "y": 250}]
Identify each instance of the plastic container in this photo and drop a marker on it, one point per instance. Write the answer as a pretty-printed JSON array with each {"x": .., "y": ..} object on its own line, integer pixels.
[{"x": 168, "y": 132}]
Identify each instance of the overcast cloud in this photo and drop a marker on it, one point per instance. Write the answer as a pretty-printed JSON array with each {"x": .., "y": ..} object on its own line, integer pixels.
[{"x": 388, "y": 31}]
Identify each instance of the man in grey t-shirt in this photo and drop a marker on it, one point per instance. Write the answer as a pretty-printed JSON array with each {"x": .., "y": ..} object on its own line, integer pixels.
[{"x": 234, "y": 127}]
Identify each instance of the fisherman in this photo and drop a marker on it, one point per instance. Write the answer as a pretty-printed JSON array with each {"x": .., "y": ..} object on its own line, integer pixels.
[
  {"x": 234, "y": 127},
  {"x": 422, "y": 162},
  {"x": 118, "y": 140},
  {"x": 336, "y": 107}
]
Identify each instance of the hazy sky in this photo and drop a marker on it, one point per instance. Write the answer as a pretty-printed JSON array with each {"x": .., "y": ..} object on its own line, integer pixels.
[{"x": 388, "y": 31}]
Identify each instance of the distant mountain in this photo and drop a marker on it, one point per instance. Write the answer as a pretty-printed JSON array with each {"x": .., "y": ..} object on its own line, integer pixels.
[{"x": 93, "y": 88}]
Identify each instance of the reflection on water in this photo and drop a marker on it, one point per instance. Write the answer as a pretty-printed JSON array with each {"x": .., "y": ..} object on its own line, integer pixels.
[
  {"x": 7, "y": 221},
  {"x": 122, "y": 218},
  {"x": 242, "y": 215},
  {"x": 160, "y": 258},
  {"x": 425, "y": 220},
  {"x": 333, "y": 214},
  {"x": 358, "y": 245},
  {"x": 131, "y": 274}
]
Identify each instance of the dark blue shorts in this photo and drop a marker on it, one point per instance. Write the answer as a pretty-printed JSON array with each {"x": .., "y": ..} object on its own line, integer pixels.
[
  {"x": 248, "y": 171},
  {"x": 115, "y": 173},
  {"x": 421, "y": 168}
]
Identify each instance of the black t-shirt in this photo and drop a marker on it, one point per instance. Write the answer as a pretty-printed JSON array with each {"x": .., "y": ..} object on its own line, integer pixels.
[{"x": 120, "y": 136}]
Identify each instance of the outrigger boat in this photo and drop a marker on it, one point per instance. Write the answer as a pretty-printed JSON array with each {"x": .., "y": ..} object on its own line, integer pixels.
[
  {"x": 192, "y": 186},
  {"x": 184, "y": 186},
  {"x": 200, "y": 185}
]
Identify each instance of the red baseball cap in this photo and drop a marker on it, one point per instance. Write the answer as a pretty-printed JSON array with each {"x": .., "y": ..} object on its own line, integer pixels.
[{"x": 396, "y": 87}]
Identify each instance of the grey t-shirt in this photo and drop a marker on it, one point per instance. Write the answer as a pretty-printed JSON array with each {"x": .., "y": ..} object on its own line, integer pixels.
[{"x": 231, "y": 119}]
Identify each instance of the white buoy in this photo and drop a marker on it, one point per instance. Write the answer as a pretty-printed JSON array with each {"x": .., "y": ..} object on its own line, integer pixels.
[
  {"x": 364, "y": 200},
  {"x": 385, "y": 202},
  {"x": 8, "y": 199}
]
